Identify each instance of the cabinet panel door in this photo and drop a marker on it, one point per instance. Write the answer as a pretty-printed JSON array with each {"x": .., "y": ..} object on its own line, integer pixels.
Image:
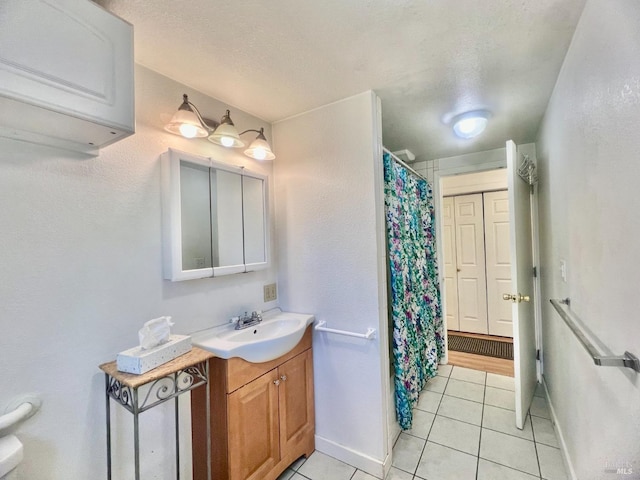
[
  {"x": 297, "y": 417},
  {"x": 472, "y": 286},
  {"x": 68, "y": 56},
  {"x": 253, "y": 429}
]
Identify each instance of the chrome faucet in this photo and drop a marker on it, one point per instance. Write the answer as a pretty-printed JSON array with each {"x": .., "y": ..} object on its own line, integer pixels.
[{"x": 245, "y": 321}]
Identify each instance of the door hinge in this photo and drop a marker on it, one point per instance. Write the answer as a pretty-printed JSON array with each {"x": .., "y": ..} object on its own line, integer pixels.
[
  {"x": 538, "y": 354},
  {"x": 535, "y": 272}
]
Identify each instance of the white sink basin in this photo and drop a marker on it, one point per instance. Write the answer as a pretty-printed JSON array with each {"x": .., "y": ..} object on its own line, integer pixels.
[{"x": 276, "y": 335}]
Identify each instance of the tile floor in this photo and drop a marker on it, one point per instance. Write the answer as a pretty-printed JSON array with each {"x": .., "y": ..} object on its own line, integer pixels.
[{"x": 463, "y": 429}]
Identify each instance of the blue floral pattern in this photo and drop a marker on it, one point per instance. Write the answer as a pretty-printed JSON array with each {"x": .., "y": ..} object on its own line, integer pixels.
[{"x": 418, "y": 343}]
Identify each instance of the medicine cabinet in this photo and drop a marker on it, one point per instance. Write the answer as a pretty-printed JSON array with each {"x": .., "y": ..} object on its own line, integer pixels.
[{"x": 214, "y": 218}]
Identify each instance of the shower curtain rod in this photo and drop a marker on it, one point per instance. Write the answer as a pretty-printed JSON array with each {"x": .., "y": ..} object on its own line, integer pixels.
[{"x": 405, "y": 165}]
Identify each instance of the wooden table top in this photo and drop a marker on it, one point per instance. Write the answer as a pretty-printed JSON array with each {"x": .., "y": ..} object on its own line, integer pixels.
[{"x": 194, "y": 356}]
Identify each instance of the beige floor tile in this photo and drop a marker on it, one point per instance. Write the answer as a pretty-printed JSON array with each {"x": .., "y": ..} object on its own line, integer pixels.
[
  {"x": 539, "y": 408},
  {"x": 360, "y": 475},
  {"x": 444, "y": 370},
  {"x": 500, "y": 381},
  {"x": 466, "y": 390},
  {"x": 504, "y": 421},
  {"x": 492, "y": 471},
  {"x": 468, "y": 375},
  {"x": 543, "y": 432},
  {"x": 455, "y": 434},
  {"x": 436, "y": 384},
  {"x": 323, "y": 467},
  {"x": 442, "y": 463},
  {"x": 551, "y": 463},
  {"x": 421, "y": 425},
  {"x": 509, "y": 451},
  {"x": 429, "y": 401},
  {"x": 407, "y": 452},
  {"x": 498, "y": 397},
  {"x": 397, "y": 474},
  {"x": 461, "y": 409}
]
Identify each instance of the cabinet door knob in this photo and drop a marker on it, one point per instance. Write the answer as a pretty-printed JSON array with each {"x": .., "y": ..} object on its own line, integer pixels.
[
  {"x": 283, "y": 378},
  {"x": 276, "y": 382}
]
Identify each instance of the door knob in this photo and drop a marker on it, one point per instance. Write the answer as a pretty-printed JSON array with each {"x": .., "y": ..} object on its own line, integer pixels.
[
  {"x": 276, "y": 382},
  {"x": 516, "y": 298}
]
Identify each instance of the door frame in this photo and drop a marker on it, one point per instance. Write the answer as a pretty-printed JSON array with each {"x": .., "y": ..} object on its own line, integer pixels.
[{"x": 437, "y": 193}]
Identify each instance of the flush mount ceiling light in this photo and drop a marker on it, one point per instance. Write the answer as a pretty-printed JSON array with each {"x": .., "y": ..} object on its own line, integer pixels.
[
  {"x": 470, "y": 124},
  {"x": 188, "y": 123}
]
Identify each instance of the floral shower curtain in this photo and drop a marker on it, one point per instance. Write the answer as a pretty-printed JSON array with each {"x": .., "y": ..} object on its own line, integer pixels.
[{"x": 418, "y": 343}]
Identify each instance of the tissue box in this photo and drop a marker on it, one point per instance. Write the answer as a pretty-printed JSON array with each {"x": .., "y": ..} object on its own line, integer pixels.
[{"x": 137, "y": 360}]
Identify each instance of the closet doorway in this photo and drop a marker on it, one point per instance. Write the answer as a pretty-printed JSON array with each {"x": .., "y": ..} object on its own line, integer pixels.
[{"x": 477, "y": 268}]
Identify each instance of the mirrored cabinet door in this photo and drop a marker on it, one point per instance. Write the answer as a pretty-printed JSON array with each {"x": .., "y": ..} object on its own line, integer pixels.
[
  {"x": 226, "y": 222},
  {"x": 194, "y": 208},
  {"x": 255, "y": 248},
  {"x": 214, "y": 218}
]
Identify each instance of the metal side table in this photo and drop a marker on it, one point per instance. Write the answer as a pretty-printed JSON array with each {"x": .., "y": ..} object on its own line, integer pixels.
[{"x": 167, "y": 381}]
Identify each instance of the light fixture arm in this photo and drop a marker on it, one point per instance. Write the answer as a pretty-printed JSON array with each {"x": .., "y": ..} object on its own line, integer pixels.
[
  {"x": 259, "y": 132},
  {"x": 205, "y": 125}
]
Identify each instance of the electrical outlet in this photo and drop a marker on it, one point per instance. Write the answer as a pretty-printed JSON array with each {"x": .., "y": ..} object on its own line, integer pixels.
[{"x": 270, "y": 292}]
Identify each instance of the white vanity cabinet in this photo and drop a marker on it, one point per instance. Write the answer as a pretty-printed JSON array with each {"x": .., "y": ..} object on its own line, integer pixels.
[
  {"x": 66, "y": 74},
  {"x": 214, "y": 218}
]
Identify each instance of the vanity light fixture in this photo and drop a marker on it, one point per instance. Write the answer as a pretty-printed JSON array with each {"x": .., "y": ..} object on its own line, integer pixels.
[
  {"x": 226, "y": 134},
  {"x": 470, "y": 124},
  {"x": 188, "y": 122},
  {"x": 259, "y": 148}
]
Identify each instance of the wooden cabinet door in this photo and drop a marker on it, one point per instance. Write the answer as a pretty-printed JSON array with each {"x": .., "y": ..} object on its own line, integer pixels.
[
  {"x": 297, "y": 416},
  {"x": 254, "y": 444}
]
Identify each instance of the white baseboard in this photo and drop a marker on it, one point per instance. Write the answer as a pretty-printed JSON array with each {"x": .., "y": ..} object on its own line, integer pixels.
[
  {"x": 377, "y": 468},
  {"x": 556, "y": 426}
]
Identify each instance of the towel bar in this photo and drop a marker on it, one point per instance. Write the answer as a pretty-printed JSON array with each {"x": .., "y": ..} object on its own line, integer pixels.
[
  {"x": 627, "y": 360},
  {"x": 369, "y": 335}
]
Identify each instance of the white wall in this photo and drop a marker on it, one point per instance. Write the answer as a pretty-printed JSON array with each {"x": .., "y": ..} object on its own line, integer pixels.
[
  {"x": 484, "y": 181},
  {"x": 81, "y": 271},
  {"x": 588, "y": 153},
  {"x": 332, "y": 264}
]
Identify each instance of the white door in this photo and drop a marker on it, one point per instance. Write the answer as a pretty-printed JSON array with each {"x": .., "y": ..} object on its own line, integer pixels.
[
  {"x": 524, "y": 340},
  {"x": 450, "y": 265},
  {"x": 472, "y": 282},
  {"x": 498, "y": 258}
]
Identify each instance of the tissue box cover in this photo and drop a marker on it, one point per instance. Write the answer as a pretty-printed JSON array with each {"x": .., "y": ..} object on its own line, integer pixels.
[{"x": 137, "y": 360}]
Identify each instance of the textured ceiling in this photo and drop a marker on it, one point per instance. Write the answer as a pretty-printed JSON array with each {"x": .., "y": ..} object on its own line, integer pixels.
[{"x": 427, "y": 60}]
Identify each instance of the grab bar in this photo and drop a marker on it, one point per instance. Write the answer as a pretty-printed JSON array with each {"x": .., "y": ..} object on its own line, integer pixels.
[
  {"x": 627, "y": 360},
  {"x": 369, "y": 335},
  {"x": 19, "y": 410}
]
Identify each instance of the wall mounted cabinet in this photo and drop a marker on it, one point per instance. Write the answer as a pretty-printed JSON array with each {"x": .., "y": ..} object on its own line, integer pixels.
[
  {"x": 262, "y": 416},
  {"x": 66, "y": 74},
  {"x": 214, "y": 218}
]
